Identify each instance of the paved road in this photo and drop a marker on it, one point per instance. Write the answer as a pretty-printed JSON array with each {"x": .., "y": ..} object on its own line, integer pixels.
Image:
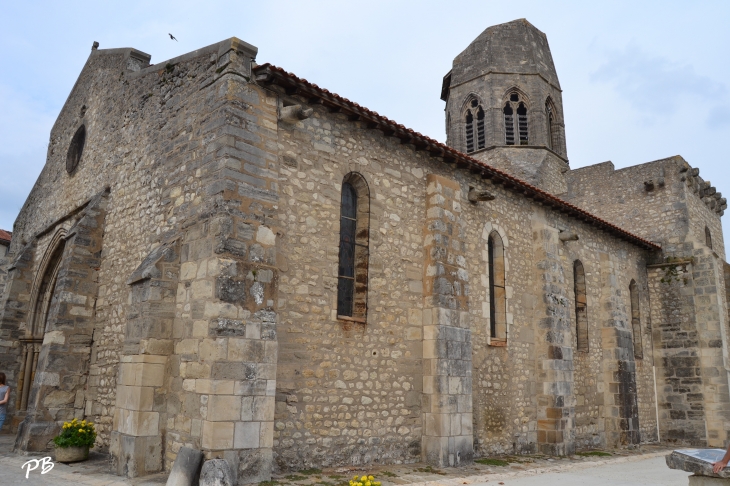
[{"x": 648, "y": 472}]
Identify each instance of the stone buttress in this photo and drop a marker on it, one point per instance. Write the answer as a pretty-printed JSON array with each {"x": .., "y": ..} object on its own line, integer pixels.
[
  {"x": 447, "y": 354},
  {"x": 199, "y": 367},
  {"x": 555, "y": 393}
]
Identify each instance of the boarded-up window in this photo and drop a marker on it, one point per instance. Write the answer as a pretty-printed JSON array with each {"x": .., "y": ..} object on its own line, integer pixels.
[
  {"x": 497, "y": 294},
  {"x": 352, "y": 282},
  {"x": 581, "y": 306},
  {"x": 708, "y": 238},
  {"x": 636, "y": 320}
]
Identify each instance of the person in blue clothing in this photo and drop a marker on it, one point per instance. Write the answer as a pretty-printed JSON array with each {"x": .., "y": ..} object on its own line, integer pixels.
[
  {"x": 4, "y": 397},
  {"x": 722, "y": 463}
]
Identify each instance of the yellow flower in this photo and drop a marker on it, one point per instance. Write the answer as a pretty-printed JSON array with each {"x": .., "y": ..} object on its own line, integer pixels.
[
  {"x": 368, "y": 483},
  {"x": 364, "y": 478},
  {"x": 370, "y": 478},
  {"x": 354, "y": 478}
]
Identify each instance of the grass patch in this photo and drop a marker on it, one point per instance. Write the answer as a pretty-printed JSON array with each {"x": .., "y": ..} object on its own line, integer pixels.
[
  {"x": 268, "y": 483},
  {"x": 593, "y": 454},
  {"x": 294, "y": 477},
  {"x": 388, "y": 474},
  {"x": 309, "y": 472},
  {"x": 492, "y": 462},
  {"x": 430, "y": 470},
  {"x": 325, "y": 483},
  {"x": 336, "y": 476}
]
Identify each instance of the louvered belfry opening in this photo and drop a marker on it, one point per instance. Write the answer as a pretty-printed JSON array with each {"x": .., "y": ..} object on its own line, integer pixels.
[
  {"x": 352, "y": 281},
  {"x": 552, "y": 126},
  {"x": 581, "y": 306},
  {"x": 522, "y": 123},
  {"x": 509, "y": 125},
  {"x": 481, "y": 138},
  {"x": 475, "y": 136},
  {"x": 469, "y": 132}
]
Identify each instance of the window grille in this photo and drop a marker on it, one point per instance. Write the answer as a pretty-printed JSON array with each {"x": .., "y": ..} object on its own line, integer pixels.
[{"x": 509, "y": 125}]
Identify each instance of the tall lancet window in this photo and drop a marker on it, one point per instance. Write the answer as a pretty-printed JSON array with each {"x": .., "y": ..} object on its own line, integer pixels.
[
  {"x": 497, "y": 294},
  {"x": 522, "y": 123},
  {"x": 475, "y": 137},
  {"x": 708, "y": 238},
  {"x": 515, "y": 128},
  {"x": 352, "y": 273},
  {"x": 509, "y": 125}
]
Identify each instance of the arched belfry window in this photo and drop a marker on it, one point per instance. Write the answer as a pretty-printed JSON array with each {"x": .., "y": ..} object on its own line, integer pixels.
[
  {"x": 552, "y": 125},
  {"x": 581, "y": 306},
  {"x": 708, "y": 238},
  {"x": 515, "y": 128},
  {"x": 352, "y": 274},
  {"x": 497, "y": 294},
  {"x": 43, "y": 296},
  {"x": 474, "y": 118},
  {"x": 636, "y": 320}
]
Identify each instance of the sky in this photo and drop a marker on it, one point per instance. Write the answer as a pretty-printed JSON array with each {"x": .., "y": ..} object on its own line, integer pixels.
[{"x": 641, "y": 80}]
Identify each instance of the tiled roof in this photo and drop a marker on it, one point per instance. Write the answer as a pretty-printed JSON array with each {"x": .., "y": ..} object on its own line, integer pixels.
[
  {"x": 5, "y": 237},
  {"x": 270, "y": 74}
]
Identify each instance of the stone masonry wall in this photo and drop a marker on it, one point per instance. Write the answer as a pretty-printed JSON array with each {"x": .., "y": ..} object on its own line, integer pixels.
[{"x": 350, "y": 393}]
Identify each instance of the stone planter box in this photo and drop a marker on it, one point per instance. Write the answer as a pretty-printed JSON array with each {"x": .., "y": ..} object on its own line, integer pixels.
[{"x": 72, "y": 454}]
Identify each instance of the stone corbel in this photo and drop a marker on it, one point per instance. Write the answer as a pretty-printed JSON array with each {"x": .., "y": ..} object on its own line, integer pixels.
[
  {"x": 294, "y": 113},
  {"x": 475, "y": 195}
]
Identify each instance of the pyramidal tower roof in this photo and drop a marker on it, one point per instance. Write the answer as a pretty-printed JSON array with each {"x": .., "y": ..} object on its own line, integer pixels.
[{"x": 514, "y": 47}]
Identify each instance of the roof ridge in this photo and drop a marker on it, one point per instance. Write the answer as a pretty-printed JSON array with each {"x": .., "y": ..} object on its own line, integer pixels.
[{"x": 434, "y": 145}]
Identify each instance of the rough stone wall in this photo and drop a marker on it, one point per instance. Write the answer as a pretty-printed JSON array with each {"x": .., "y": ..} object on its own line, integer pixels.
[
  {"x": 348, "y": 393},
  {"x": 327, "y": 373}
]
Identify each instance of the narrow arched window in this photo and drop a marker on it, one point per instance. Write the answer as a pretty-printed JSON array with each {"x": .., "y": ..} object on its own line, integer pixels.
[
  {"x": 708, "y": 238},
  {"x": 352, "y": 274},
  {"x": 522, "y": 123},
  {"x": 581, "y": 306},
  {"x": 469, "y": 132},
  {"x": 474, "y": 118},
  {"x": 636, "y": 320},
  {"x": 509, "y": 125},
  {"x": 497, "y": 294}
]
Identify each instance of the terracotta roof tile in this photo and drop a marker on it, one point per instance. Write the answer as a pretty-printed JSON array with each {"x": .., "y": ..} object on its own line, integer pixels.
[
  {"x": 5, "y": 236},
  {"x": 268, "y": 73}
]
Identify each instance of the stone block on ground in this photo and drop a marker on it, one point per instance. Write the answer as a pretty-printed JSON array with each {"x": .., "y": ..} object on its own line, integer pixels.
[
  {"x": 186, "y": 468},
  {"x": 216, "y": 472},
  {"x": 696, "y": 480},
  {"x": 685, "y": 462}
]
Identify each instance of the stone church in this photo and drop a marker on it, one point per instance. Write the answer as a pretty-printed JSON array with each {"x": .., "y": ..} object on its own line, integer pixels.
[{"x": 221, "y": 255}]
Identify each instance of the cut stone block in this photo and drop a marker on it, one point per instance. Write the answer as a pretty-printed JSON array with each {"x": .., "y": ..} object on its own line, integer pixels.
[
  {"x": 682, "y": 460},
  {"x": 186, "y": 468}
]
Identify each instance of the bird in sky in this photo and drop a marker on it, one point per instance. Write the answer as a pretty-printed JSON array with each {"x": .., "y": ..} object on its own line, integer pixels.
[{"x": 172, "y": 37}]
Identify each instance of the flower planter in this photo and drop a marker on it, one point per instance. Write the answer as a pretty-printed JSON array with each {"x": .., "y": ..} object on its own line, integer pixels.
[{"x": 72, "y": 454}]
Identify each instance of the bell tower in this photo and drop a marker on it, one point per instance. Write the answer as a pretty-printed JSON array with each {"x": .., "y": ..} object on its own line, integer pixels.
[{"x": 504, "y": 105}]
